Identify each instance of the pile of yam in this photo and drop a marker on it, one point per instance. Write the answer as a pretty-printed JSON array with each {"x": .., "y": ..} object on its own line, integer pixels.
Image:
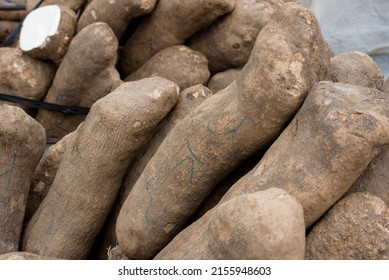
[{"x": 209, "y": 129}]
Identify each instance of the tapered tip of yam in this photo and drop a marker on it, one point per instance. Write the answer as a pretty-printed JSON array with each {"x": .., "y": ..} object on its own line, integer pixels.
[
  {"x": 18, "y": 127},
  {"x": 263, "y": 225},
  {"x": 356, "y": 228}
]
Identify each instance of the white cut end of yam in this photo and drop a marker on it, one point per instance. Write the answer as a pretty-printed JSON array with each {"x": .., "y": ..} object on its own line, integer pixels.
[{"x": 38, "y": 25}]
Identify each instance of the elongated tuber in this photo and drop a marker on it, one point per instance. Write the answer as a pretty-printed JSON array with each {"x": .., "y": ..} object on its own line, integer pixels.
[
  {"x": 89, "y": 176},
  {"x": 86, "y": 73},
  {"x": 22, "y": 143},
  {"x": 117, "y": 14}
]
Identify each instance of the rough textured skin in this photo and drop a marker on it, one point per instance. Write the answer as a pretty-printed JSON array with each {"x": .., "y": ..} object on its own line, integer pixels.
[
  {"x": 360, "y": 69},
  {"x": 12, "y": 15},
  {"x": 187, "y": 101},
  {"x": 236, "y": 122},
  {"x": 229, "y": 41},
  {"x": 89, "y": 176},
  {"x": 24, "y": 76},
  {"x": 267, "y": 225},
  {"x": 375, "y": 179},
  {"x": 86, "y": 73},
  {"x": 117, "y": 14},
  {"x": 356, "y": 228},
  {"x": 356, "y": 68},
  {"x": 45, "y": 173},
  {"x": 170, "y": 24},
  {"x": 14, "y": 256},
  {"x": 6, "y": 27},
  {"x": 56, "y": 45},
  {"x": 179, "y": 64},
  {"x": 72, "y": 4},
  {"x": 22, "y": 142},
  {"x": 224, "y": 185},
  {"x": 385, "y": 87},
  {"x": 222, "y": 80},
  {"x": 332, "y": 139}
]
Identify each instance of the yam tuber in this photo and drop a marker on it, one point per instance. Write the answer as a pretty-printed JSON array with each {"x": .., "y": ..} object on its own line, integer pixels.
[
  {"x": 356, "y": 228},
  {"x": 86, "y": 73},
  {"x": 178, "y": 64},
  {"x": 22, "y": 143},
  {"x": 23, "y": 76},
  {"x": 187, "y": 101},
  {"x": 90, "y": 173},
  {"x": 117, "y": 14},
  {"x": 356, "y": 68},
  {"x": 47, "y": 32}
]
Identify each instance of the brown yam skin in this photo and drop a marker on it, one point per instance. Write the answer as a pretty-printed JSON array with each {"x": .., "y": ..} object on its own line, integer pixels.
[
  {"x": 170, "y": 24},
  {"x": 57, "y": 45},
  {"x": 22, "y": 142},
  {"x": 117, "y": 14},
  {"x": 90, "y": 173},
  {"x": 356, "y": 68},
  {"x": 224, "y": 185},
  {"x": 179, "y": 64},
  {"x": 12, "y": 15},
  {"x": 6, "y": 28},
  {"x": 356, "y": 228},
  {"x": 375, "y": 178},
  {"x": 224, "y": 130},
  {"x": 86, "y": 74},
  {"x": 187, "y": 101},
  {"x": 45, "y": 173},
  {"x": 229, "y": 41},
  {"x": 360, "y": 69},
  {"x": 223, "y": 79},
  {"x": 23, "y": 76},
  {"x": 72, "y": 4},
  {"x": 326, "y": 147},
  {"x": 385, "y": 87},
  {"x": 267, "y": 225},
  {"x": 15, "y": 256}
]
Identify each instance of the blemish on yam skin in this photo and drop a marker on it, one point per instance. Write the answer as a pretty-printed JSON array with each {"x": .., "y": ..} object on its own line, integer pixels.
[
  {"x": 93, "y": 14},
  {"x": 169, "y": 227},
  {"x": 32, "y": 82},
  {"x": 156, "y": 93},
  {"x": 308, "y": 18},
  {"x": 296, "y": 68},
  {"x": 136, "y": 124},
  {"x": 146, "y": 6},
  {"x": 19, "y": 67}
]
